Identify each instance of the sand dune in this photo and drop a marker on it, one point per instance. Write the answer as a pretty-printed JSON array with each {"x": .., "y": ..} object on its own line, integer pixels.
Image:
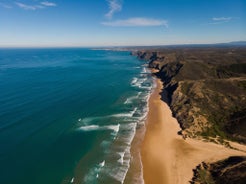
[{"x": 167, "y": 158}]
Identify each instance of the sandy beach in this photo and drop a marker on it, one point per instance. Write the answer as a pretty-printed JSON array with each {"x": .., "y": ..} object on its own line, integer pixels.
[{"x": 166, "y": 157}]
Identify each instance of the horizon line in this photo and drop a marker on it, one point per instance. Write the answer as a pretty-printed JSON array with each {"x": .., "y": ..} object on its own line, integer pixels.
[{"x": 120, "y": 46}]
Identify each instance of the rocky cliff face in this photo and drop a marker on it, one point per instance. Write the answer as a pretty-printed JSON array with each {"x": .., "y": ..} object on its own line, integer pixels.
[
  {"x": 205, "y": 88},
  {"x": 229, "y": 171}
]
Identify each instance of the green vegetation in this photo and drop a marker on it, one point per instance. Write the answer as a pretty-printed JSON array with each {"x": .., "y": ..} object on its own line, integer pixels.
[
  {"x": 237, "y": 68},
  {"x": 229, "y": 171},
  {"x": 242, "y": 84},
  {"x": 207, "y": 82},
  {"x": 185, "y": 87},
  {"x": 205, "y": 177}
]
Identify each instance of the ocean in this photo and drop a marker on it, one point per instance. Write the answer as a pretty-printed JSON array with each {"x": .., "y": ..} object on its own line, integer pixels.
[{"x": 70, "y": 115}]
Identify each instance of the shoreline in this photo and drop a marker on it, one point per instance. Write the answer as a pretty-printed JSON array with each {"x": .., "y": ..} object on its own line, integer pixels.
[
  {"x": 135, "y": 171},
  {"x": 166, "y": 157}
]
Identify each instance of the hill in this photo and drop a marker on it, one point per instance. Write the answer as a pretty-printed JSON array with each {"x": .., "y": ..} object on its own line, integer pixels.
[{"x": 205, "y": 88}]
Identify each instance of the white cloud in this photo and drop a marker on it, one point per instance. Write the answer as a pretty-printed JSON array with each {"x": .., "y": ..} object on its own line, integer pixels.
[
  {"x": 41, "y": 5},
  {"x": 114, "y": 6},
  {"x": 27, "y": 7},
  {"x": 46, "y": 3},
  {"x": 136, "y": 22},
  {"x": 221, "y": 18}
]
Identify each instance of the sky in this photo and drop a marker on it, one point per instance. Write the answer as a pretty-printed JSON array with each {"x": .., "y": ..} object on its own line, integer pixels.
[{"x": 86, "y": 23}]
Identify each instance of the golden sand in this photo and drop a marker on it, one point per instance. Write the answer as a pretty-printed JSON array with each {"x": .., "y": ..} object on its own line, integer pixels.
[{"x": 166, "y": 157}]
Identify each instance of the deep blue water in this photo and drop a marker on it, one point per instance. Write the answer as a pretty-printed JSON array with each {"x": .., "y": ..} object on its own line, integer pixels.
[{"x": 69, "y": 115}]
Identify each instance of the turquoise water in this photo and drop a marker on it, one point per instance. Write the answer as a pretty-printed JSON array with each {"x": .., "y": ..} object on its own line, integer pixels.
[{"x": 69, "y": 115}]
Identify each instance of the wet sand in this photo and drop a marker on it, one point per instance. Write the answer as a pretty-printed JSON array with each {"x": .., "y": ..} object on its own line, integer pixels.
[{"x": 166, "y": 157}]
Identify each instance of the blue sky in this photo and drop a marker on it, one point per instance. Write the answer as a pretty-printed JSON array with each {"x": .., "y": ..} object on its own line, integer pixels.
[{"x": 41, "y": 23}]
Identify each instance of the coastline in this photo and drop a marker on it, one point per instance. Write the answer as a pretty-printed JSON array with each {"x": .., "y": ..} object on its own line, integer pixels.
[
  {"x": 168, "y": 158},
  {"x": 135, "y": 171}
]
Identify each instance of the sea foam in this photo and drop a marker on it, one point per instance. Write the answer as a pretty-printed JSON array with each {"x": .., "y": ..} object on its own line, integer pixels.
[
  {"x": 130, "y": 99},
  {"x": 115, "y": 128},
  {"x": 117, "y": 151}
]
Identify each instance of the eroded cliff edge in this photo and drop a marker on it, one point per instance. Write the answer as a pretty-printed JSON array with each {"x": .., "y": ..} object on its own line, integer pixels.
[
  {"x": 228, "y": 171},
  {"x": 205, "y": 88}
]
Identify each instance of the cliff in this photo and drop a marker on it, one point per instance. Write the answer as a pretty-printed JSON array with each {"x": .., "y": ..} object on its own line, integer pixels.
[
  {"x": 229, "y": 171},
  {"x": 205, "y": 88}
]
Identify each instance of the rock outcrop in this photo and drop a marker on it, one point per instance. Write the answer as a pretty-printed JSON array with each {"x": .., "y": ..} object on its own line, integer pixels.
[{"x": 229, "y": 171}]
